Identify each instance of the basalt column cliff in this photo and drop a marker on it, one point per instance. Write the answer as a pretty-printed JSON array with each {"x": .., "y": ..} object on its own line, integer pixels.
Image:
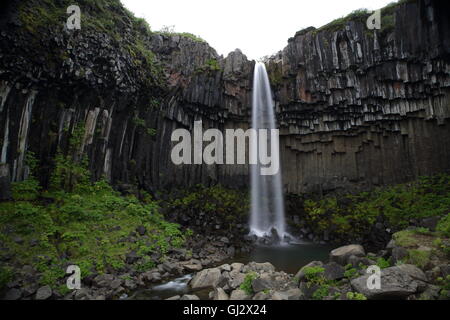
[{"x": 356, "y": 108}]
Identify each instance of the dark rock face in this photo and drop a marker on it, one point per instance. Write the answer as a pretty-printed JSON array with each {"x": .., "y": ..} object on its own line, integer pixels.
[
  {"x": 359, "y": 109},
  {"x": 355, "y": 109}
]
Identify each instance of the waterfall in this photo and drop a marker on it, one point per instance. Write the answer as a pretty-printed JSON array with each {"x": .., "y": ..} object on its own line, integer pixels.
[{"x": 267, "y": 205}]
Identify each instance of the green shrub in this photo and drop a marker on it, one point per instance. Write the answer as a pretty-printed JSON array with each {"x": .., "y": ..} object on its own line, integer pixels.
[
  {"x": 353, "y": 216},
  {"x": 90, "y": 227},
  {"x": 26, "y": 190},
  {"x": 355, "y": 296},
  {"x": 419, "y": 258},
  {"x": 321, "y": 293},
  {"x": 314, "y": 275},
  {"x": 246, "y": 285},
  {"x": 351, "y": 273},
  {"x": 383, "y": 263},
  {"x": 444, "y": 226},
  {"x": 6, "y": 275},
  {"x": 230, "y": 204}
]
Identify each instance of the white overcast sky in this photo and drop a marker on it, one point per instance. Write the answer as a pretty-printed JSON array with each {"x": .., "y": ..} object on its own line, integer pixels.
[{"x": 257, "y": 27}]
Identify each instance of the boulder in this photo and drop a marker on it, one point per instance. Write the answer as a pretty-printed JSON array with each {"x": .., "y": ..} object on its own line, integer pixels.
[
  {"x": 239, "y": 294},
  {"x": 413, "y": 271},
  {"x": 260, "y": 267},
  {"x": 292, "y": 294},
  {"x": 225, "y": 267},
  {"x": 220, "y": 294},
  {"x": 237, "y": 267},
  {"x": 261, "y": 284},
  {"x": 395, "y": 284},
  {"x": 44, "y": 293},
  {"x": 341, "y": 255},
  {"x": 207, "y": 278},
  {"x": 333, "y": 271},
  {"x": 193, "y": 267},
  {"x": 416, "y": 274},
  {"x": 174, "y": 298},
  {"x": 236, "y": 280}
]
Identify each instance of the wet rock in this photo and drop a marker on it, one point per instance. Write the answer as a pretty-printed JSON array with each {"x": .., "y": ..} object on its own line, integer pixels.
[{"x": 207, "y": 278}]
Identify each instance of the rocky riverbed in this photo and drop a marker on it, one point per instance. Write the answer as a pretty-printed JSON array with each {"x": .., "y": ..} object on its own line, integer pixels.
[{"x": 343, "y": 277}]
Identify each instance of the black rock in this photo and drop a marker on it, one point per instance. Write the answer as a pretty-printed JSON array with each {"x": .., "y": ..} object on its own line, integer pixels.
[{"x": 333, "y": 271}]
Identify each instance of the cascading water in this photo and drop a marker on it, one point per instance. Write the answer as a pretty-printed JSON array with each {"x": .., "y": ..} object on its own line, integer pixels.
[{"x": 267, "y": 205}]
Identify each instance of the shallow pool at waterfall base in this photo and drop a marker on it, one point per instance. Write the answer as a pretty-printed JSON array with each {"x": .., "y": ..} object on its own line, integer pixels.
[{"x": 288, "y": 258}]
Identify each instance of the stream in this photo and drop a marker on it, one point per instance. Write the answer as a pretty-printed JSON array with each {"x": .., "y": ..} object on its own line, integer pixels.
[{"x": 288, "y": 258}]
